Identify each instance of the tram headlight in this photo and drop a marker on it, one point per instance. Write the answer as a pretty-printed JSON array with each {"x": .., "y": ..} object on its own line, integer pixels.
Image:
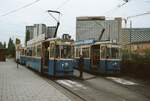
[
  {"x": 115, "y": 64},
  {"x": 65, "y": 65}
]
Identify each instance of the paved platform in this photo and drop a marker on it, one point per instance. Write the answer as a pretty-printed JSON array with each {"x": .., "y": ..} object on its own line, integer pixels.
[{"x": 24, "y": 85}]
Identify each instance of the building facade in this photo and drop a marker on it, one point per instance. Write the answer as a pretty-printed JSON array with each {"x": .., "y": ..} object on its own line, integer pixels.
[
  {"x": 39, "y": 33},
  {"x": 136, "y": 40},
  {"x": 50, "y": 31},
  {"x": 31, "y": 31},
  {"x": 39, "y": 29},
  {"x": 92, "y": 27},
  {"x": 135, "y": 35}
]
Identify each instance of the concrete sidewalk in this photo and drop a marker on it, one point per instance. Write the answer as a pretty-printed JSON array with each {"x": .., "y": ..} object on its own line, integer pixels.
[{"x": 23, "y": 85}]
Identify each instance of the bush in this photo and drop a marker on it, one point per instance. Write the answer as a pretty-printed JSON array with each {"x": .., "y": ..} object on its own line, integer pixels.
[
  {"x": 136, "y": 64},
  {"x": 136, "y": 57}
]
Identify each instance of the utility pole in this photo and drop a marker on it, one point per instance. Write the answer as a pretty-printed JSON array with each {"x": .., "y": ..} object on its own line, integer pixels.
[{"x": 130, "y": 36}]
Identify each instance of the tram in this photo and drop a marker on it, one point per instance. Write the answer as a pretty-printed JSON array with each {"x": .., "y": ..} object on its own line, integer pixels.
[
  {"x": 53, "y": 57},
  {"x": 99, "y": 57},
  {"x": 58, "y": 57}
]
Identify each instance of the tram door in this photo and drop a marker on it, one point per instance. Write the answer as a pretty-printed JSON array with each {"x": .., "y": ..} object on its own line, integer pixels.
[
  {"x": 45, "y": 57},
  {"x": 95, "y": 56}
]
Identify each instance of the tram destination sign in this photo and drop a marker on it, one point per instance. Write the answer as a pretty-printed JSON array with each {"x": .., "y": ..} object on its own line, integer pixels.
[{"x": 84, "y": 42}]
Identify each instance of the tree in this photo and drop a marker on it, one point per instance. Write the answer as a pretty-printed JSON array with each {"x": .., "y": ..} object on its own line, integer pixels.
[
  {"x": 1, "y": 45},
  {"x": 27, "y": 37},
  {"x": 4, "y": 45},
  {"x": 11, "y": 48},
  {"x": 17, "y": 41}
]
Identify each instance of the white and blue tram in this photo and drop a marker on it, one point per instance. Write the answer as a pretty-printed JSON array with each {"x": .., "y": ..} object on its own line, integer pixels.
[
  {"x": 31, "y": 56},
  {"x": 53, "y": 57},
  {"x": 99, "y": 57},
  {"x": 59, "y": 61}
]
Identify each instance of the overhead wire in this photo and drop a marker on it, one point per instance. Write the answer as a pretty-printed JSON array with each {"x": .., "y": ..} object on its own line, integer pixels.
[
  {"x": 117, "y": 7},
  {"x": 18, "y": 9},
  {"x": 146, "y": 13},
  {"x": 62, "y": 4}
]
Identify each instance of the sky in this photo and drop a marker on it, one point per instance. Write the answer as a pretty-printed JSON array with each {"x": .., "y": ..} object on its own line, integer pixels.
[{"x": 13, "y": 25}]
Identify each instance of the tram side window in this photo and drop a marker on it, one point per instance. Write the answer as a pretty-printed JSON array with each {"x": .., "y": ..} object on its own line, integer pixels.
[
  {"x": 39, "y": 51},
  {"x": 77, "y": 54},
  {"x": 34, "y": 51},
  {"x": 85, "y": 52}
]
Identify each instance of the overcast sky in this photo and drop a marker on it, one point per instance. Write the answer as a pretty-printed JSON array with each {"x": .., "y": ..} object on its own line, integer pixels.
[{"x": 13, "y": 25}]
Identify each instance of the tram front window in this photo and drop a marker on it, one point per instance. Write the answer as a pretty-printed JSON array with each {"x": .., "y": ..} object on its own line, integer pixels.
[
  {"x": 103, "y": 51},
  {"x": 66, "y": 51},
  {"x": 61, "y": 51},
  {"x": 114, "y": 53},
  {"x": 109, "y": 52},
  {"x": 57, "y": 51},
  {"x": 52, "y": 50}
]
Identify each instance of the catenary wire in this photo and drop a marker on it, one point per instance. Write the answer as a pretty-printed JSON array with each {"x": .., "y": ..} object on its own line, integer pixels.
[
  {"x": 62, "y": 4},
  {"x": 117, "y": 7},
  {"x": 18, "y": 9}
]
